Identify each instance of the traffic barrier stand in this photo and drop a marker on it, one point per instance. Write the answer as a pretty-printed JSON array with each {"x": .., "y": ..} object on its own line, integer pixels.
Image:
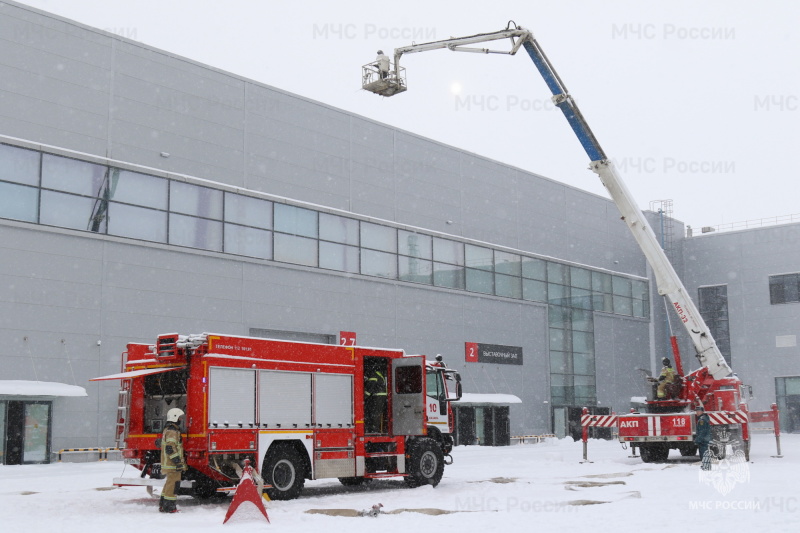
[
  {"x": 587, "y": 421},
  {"x": 247, "y": 491}
]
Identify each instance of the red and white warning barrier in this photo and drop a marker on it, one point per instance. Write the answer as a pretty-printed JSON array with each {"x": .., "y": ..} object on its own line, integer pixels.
[{"x": 246, "y": 491}]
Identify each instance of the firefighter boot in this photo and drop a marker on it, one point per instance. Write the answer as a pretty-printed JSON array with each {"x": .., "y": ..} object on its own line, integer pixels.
[
  {"x": 161, "y": 504},
  {"x": 169, "y": 506}
]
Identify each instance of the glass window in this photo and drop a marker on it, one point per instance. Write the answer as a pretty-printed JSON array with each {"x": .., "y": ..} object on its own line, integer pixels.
[
  {"x": 621, "y": 286},
  {"x": 534, "y": 268},
  {"x": 139, "y": 189},
  {"x": 195, "y": 232},
  {"x": 479, "y": 257},
  {"x": 379, "y": 264},
  {"x": 37, "y": 430},
  {"x": 623, "y": 306},
  {"x": 296, "y": 220},
  {"x": 480, "y": 281},
  {"x": 338, "y": 257},
  {"x": 560, "y": 362},
  {"x": 252, "y": 242},
  {"x": 639, "y": 310},
  {"x": 557, "y": 294},
  {"x": 445, "y": 275},
  {"x": 447, "y": 251},
  {"x": 338, "y": 229},
  {"x": 583, "y": 363},
  {"x": 72, "y": 175},
  {"x": 297, "y": 250},
  {"x": 639, "y": 289},
  {"x": 601, "y": 282},
  {"x": 581, "y": 298},
  {"x": 195, "y": 200},
  {"x": 508, "y": 286},
  {"x": 415, "y": 270},
  {"x": 558, "y": 341},
  {"x": 784, "y": 289},
  {"x": 580, "y": 277},
  {"x": 378, "y": 237},
  {"x": 713, "y": 307},
  {"x": 557, "y": 273},
  {"x": 19, "y": 202},
  {"x": 408, "y": 380},
  {"x": 603, "y": 302},
  {"x": 70, "y": 211},
  {"x": 415, "y": 244},
  {"x": 19, "y": 165},
  {"x": 248, "y": 211},
  {"x": 583, "y": 342},
  {"x": 534, "y": 290},
  {"x": 137, "y": 222},
  {"x": 581, "y": 320},
  {"x": 507, "y": 263}
]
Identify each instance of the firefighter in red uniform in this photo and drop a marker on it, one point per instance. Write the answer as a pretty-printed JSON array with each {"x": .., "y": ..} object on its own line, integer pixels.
[{"x": 172, "y": 461}]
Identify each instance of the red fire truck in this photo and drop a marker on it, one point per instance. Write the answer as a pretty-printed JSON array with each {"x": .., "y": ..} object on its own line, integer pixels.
[{"x": 295, "y": 410}]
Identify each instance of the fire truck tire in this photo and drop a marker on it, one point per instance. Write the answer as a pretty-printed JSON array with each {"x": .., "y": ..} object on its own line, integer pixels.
[
  {"x": 688, "y": 450},
  {"x": 284, "y": 469},
  {"x": 424, "y": 463},
  {"x": 654, "y": 453}
]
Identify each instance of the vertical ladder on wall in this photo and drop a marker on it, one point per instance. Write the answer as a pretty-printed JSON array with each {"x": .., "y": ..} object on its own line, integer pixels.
[
  {"x": 665, "y": 225},
  {"x": 122, "y": 414}
]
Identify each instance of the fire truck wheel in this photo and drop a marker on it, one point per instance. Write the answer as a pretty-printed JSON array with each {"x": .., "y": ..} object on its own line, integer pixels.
[
  {"x": 654, "y": 453},
  {"x": 285, "y": 471},
  {"x": 425, "y": 463},
  {"x": 688, "y": 450}
]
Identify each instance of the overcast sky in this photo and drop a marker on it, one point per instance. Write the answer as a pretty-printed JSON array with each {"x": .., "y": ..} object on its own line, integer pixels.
[{"x": 696, "y": 102}]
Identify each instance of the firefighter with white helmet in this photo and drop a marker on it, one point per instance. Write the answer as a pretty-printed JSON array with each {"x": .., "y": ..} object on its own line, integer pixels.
[
  {"x": 382, "y": 61},
  {"x": 172, "y": 460}
]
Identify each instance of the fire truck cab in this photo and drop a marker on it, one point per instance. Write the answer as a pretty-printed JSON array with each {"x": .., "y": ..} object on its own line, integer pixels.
[{"x": 296, "y": 410}]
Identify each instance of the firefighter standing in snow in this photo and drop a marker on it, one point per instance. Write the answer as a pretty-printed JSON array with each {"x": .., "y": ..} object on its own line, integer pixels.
[
  {"x": 374, "y": 399},
  {"x": 703, "y": 436},
  {"x": 172, "y": 461}
]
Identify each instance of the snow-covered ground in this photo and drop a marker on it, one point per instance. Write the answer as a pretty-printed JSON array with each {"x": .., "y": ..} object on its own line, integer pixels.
[{"x": 532, "y": 487}]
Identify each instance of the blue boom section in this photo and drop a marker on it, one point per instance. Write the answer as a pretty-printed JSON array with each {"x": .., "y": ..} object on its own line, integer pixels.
[{"x": 567, "y": 105}]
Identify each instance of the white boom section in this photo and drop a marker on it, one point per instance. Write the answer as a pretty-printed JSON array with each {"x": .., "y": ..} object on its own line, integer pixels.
[{"x": 669, "y": 284}]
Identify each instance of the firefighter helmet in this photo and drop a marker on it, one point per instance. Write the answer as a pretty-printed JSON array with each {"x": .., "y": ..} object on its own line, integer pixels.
[
  {"x": 174, "y": 414},
  {"x": 665, "y": 361}
]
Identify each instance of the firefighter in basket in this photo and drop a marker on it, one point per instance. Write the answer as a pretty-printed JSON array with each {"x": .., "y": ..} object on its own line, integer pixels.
[
  {"x": 172, "y": 460},
  {"x": 667, "y": 381}
]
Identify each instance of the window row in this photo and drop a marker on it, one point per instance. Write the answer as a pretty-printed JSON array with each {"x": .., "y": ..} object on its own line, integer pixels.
[
  {"x": 784, "y": 289},
  {"x": 59, "y": 191}
]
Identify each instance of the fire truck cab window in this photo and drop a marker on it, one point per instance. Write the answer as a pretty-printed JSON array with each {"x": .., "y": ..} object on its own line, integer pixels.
[
  {"x": 433, "y": 384},
  {"x": 408, "y": 380}
]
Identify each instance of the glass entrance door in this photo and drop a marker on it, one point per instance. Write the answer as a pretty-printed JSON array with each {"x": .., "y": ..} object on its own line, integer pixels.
[
  {"x": 36, "y": 447},
  {"x": 24, "y": 432}
]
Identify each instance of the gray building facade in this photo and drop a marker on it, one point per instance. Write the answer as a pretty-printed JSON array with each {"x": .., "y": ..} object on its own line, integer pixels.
[{"x": 143, "y": 193}]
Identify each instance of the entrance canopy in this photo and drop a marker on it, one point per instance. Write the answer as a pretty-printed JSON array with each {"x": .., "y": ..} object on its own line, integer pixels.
[
  {"x": 471, "y": 398},
  {"x": 39, "y": 388},
  {"x": 137, "y": 373}
]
